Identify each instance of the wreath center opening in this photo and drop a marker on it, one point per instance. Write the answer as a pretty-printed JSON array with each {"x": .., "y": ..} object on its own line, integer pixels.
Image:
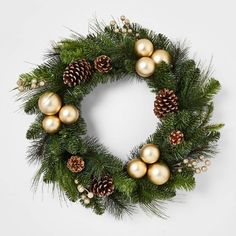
[{"x": 120, "y": 115}]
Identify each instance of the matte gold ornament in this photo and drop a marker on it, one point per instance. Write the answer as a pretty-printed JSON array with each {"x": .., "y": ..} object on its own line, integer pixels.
[
  {"x": 161, "y": 55},
  {"x": 136, "y": 168},
  {"x": 150, "y": 153},
  {"x": 69, "y": 114},
  {"x": 144, "y": 47},
  {"x": 49, "y": 103},
  {"x": 51, "y": 124},
  {"x": 158, "y": 173},
  {"x": 145, "y": 67}
]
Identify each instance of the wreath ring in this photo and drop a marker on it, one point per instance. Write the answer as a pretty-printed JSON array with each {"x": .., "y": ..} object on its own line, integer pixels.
[{"x": 83, "y": 169}]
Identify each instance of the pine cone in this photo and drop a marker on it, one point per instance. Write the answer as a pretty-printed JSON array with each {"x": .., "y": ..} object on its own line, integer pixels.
[
  {"x": 166, "y": 101},
  {"x": 103, "y": 64},
  {"x": 103, "y": 187},
  {"x": 176, "y": 137},
  {"x": 77, "y": 72},
  {"x": 75, "y": 164}
]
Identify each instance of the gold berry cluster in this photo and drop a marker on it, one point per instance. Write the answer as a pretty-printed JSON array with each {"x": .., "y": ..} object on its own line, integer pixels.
[
  {"x": 198, "y": 165},
  {"x": 85, "y": 194},
  {"x": 125, "y": 28},
  {"x": 34, "y": 83}
]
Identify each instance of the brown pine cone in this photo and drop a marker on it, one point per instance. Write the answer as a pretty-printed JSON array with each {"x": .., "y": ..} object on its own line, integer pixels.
[
  {"x": 77, "y": 72},
  {"x": 75, "y": 164},
  {"x": 176, "y": 137},
  {"x": 103, "y": 187},
  {"x": 103, "y": 64},
  {"x": 166, "y": 101}
]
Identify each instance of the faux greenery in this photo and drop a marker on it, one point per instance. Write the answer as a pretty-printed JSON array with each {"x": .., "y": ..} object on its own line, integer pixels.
[{"x": 195, "y": 90}]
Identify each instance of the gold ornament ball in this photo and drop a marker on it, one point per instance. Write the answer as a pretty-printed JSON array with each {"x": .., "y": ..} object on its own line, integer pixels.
[
  {"x": 49, "y": 103},
  {"x": 136, "y": 168},
  {"x": 149, "y": 153},
  {"x": 69, "y": 114},
  {"x": 51, "y": 124},
  {"x": 144, "y": 47},
  {"x": 145, "y": 67},
  {"x": 161, "y": 55},
  {"x": 158, "y": 173}
]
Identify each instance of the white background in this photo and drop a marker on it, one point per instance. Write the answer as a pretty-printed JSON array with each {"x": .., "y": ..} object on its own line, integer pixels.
[{"x": 120, "y": 115}]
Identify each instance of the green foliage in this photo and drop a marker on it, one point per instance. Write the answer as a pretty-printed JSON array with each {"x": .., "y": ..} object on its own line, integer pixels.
[
  {"x": 195, "y": 90},
  {"x": 119, "y": 204},
  {"x": 162, "y": 78},
  {"x": 195, "y": 86},
  {"x": 155, "y": 207},
  {"x": 35, "y": 130},
  {"x": 124, "y": 184},
  {"x": 184, "y": 180},
  {"x": 146, "y": 192}
]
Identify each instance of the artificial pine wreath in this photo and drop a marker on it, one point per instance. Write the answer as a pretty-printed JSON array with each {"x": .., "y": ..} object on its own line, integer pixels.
[{"x": 83, "y": 169}]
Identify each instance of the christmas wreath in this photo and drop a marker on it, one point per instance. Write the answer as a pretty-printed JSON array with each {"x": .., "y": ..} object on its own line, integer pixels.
[{"x": 83, "y": 169}]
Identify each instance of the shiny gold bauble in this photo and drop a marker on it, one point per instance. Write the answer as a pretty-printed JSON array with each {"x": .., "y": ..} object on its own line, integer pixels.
[
  {"x": 49, "y": 103},
  {"x": 144, "y": 47},
  {"x": 149, "y": 153},
  {"x": 158, "y": 173},
  {"x": 51, "y": 124},
  {"x": 69, "y": 114},
  {"x": 161, "y": 55},
  {"x": 145, "y": 67},
  {"x": 136, "y": 168}
]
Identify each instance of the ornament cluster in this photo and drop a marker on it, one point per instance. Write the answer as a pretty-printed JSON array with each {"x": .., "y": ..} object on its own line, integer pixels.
[
  {"x": 157, "y": 172},
  {"x": 50, "y": 104},
  {"x": 149, "y": 58}
]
